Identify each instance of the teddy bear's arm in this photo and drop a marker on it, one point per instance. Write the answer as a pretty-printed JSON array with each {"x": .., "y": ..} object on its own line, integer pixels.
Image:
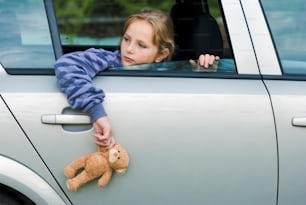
[{"x": 104, "y": 179}]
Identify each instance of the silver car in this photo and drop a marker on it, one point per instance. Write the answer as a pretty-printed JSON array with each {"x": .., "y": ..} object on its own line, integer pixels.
[{"x": 229, "y": 135}]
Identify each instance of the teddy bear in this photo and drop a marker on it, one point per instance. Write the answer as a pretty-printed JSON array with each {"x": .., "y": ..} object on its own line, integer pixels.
[{"x": 98, "y": 164}]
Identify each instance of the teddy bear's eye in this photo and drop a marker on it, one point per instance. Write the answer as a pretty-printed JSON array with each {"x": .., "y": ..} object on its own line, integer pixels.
[
  {"x": 118, "y": 157},
  {"x": 119, "y": 151}
]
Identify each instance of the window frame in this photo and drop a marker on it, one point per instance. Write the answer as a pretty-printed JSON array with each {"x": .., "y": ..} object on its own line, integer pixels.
[{"x": 244, "y": 55}]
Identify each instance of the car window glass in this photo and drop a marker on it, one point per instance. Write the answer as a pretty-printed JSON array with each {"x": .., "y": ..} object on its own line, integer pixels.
[
  {"x": 287, "y": 22},
  {"x": 25, "y": 40},
  {"x": 199, "y": 28}
]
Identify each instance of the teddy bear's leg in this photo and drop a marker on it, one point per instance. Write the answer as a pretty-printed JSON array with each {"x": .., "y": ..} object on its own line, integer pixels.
[
  {"x": 82, "y": 178},
  {"x": 72, "y": 185},
  {"x": 74, "y": 166},
  {"x": 104, "y": 179}
]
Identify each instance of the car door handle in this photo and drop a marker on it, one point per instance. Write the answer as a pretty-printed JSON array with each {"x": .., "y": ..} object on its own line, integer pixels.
[
  {"x": 65, "y": 119},
  {"x": 299, "y": 121}
]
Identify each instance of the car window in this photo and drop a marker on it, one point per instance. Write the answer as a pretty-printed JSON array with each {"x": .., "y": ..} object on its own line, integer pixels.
[
  {"x": 287, "y": 22},
  {"x": 199, "y": 28},
  {"x": 25, "y": 40}
]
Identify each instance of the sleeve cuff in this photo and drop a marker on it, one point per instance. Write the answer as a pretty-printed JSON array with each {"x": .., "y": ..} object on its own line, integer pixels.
[{"x": 96, "y": 112}]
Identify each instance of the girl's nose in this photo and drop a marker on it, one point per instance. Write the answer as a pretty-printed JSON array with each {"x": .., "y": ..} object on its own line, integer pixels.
[{"x": 130, "y": 48}]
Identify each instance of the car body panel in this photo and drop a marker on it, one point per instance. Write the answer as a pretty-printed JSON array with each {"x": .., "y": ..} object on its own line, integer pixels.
[
  {"x": 289, "y": 101},
  {"x": 179, "y": 144},
  {"x": 16, "y": 152}
]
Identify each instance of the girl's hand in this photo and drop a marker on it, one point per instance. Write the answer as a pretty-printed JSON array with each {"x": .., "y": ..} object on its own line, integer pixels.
[
  {"x": 205, "y": 63},
  {"x": 205, "y": 60},
  {"x": 103, "y": 133}
]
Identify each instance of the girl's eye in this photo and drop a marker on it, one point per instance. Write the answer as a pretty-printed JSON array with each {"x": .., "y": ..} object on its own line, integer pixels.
[
  {"x": 142, "y": 46},
  {"x": 125, "y": 39}
]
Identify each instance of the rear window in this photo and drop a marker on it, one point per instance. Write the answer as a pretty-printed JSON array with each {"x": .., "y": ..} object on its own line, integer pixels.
[
  {"x": 25, "y": 40},
  {"x": 287, "y": 22}
]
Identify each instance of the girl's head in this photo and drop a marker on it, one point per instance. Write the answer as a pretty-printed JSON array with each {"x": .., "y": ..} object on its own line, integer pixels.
[{"x": 147, "y": 38}]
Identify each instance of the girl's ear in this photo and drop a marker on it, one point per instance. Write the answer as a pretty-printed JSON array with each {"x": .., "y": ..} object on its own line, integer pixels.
[{"x": 162, "y": 55}]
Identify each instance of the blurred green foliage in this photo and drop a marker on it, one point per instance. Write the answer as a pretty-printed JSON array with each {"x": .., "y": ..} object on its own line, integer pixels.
[
  {"x": 104, "y": 18},
  {"x": 79, "y": 8},
  {"x": 77, "y": 17}
]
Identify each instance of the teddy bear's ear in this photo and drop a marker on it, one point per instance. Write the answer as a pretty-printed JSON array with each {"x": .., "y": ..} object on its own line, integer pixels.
[{"x": 121, "y": 171}]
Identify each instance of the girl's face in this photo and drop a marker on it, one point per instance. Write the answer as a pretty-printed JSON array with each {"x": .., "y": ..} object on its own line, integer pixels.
[{"x": 137, "y": 45}]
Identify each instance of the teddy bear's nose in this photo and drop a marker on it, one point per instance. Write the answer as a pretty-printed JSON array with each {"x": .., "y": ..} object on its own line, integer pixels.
[{"x": 116, "y": 154}]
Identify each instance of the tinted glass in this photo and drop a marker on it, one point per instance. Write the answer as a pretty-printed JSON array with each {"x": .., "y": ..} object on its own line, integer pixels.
[
  {"x": 25, "y": 40},
  {"x": 287, "y": 22}
]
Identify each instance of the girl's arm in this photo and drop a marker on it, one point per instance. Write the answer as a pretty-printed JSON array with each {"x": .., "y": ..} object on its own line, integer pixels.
[{"x": 75, "y": 71}]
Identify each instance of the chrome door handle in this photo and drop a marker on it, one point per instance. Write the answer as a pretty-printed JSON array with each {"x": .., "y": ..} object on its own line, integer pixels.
[
  {"x": 299, "y": 121},
  {"x": 66, "y": 119}
]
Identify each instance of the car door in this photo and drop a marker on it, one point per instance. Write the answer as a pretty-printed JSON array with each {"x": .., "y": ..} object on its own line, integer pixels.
[
  {"x": 193, "y": 138},
  {"x": 285, "y": 80}
]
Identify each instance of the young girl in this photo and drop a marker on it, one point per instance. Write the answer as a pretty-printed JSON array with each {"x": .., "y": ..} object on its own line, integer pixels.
[{"x": 147, "y": 38}]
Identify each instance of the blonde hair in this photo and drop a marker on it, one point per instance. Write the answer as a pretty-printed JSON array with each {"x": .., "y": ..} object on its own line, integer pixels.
[{"x": 162, "y": 25}]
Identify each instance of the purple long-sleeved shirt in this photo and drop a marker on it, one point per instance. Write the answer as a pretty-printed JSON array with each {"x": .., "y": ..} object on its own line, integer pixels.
[{"x": 75, "y": 71}]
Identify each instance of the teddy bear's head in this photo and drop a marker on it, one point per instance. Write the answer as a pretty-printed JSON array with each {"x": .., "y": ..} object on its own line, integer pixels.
[{"x": 118, "y": 159}]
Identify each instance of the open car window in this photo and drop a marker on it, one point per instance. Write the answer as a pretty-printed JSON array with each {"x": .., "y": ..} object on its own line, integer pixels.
[{"x": 198, "y": 24}]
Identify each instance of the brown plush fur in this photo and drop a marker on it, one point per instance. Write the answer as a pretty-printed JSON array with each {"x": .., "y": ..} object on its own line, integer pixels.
[{"x": 98, "y": 164}]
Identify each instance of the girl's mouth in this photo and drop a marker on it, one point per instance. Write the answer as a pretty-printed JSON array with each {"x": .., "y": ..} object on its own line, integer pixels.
[{"x": 127, "y": 59}]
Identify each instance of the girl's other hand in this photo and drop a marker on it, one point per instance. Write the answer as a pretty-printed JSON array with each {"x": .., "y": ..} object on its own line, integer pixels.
[{"x": 205, "y": 60}]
